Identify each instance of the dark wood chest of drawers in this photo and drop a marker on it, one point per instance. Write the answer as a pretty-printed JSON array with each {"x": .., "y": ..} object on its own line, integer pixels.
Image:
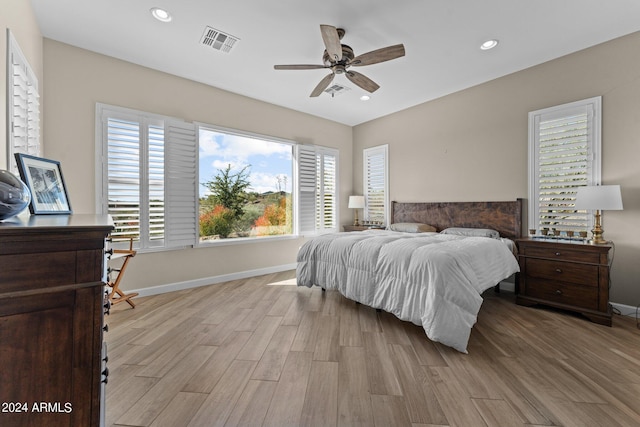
[
  {"x": 51, "y": 320},
  {"x": 568, "y": 275}
]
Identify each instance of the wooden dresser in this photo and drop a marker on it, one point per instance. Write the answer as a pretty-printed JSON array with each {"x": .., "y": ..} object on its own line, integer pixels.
[
  {"x": 568, "y": 275},
  {"x": 51, "y": 320}
]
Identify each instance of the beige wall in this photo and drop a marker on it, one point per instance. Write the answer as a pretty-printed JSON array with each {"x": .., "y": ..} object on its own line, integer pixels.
[
  {"x": 17, "y": 15},
  {"x": 76, "y": 79},
  {"x": 472, "y": 145}
]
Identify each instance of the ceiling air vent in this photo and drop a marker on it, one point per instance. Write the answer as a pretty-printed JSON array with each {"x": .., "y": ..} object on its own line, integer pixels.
[
  {"x": 218, "y": 40},
  {"x": 335, "y": 90}
]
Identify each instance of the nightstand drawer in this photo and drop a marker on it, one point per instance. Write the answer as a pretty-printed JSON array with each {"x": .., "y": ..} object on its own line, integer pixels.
[
  {"x": 582, "y": 274},
  {"x": 563, "y": 254},
  {"x": 563, "y": 293}
]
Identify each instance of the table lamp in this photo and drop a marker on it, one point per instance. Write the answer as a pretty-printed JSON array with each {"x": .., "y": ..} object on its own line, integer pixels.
[
  {"x": 356, "y": 202},
  {"x": 600, "y": 197}
]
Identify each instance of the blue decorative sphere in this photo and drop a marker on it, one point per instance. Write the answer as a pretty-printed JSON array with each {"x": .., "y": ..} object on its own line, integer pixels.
[{"x": 14, "y": 195}]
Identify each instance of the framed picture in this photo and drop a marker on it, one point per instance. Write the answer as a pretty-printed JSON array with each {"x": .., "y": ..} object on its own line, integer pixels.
[{"x": 44, "y": 179}]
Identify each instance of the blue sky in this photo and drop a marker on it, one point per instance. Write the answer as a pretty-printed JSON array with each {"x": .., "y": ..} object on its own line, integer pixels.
[{"x": 268, "y": 160}]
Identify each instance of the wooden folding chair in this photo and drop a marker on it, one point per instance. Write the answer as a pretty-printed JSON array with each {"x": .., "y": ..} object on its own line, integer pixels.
[{"x": 117, "y": 295}]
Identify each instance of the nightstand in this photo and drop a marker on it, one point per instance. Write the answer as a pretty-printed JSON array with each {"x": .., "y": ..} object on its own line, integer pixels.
[
  {"x": 572, "y": 276},
  {"x": 360, "y": 227}
]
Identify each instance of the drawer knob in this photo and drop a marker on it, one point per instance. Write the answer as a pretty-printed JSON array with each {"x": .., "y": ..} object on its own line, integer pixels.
[
  {"x": 558, "y": 292},
  {"x": 557, "y": 253},
  {"x": 558, "y": 270}
]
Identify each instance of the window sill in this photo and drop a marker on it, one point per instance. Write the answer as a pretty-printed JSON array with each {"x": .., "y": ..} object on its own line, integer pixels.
[{"x": 245, "y": 240}]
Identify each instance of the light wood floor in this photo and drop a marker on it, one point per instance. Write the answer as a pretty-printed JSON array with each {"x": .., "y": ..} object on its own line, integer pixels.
[{"x": 263, "y": 352}]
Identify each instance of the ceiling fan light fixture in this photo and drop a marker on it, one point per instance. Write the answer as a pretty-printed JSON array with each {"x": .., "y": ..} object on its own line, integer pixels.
[
  {"x": 489, "y": 44},
  {"x": 161, "y": 14}
]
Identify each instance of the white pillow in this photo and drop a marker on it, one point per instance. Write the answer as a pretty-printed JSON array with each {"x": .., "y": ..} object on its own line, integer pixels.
[
  {"x": 472, "y": 232},
  {"x": 411, "y": 227}
]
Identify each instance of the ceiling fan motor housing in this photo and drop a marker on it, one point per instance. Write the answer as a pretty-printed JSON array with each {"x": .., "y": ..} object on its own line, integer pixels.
[{"x": 347, "y": 56}]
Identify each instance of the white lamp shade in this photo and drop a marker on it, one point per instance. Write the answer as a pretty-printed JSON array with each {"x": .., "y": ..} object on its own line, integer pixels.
[
  {"x": 356, "y": 202},
  {"x": 601, "y": 197}
]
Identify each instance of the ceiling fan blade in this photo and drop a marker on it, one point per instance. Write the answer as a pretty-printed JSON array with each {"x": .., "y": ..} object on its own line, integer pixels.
[
  {"x": 331, "y": 42},
  {"x": 299, "y": 67},
  {"x": 324, "y": 83},
  {"x": 363, "y": 81},
  {"x": 379, "y": 55}
]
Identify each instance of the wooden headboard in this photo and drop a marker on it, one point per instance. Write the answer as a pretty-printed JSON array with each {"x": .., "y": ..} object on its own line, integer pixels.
[{"x": 505, "y": 217}]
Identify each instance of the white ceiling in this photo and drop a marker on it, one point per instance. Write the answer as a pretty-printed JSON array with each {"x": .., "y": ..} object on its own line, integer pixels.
[{"x": 441, "y": 38}]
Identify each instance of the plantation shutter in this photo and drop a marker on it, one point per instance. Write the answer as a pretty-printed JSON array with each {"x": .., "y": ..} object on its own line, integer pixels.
[
  {"x": 181, "y": 157},
  {"x": 307, "y": 188},
  {"x": 23, "y": 104},
  {"x": 155, "y": 171},
  {"x": 326, "y": 181},
  {"x": 122, "y": 197},
  {"x": 564, "y": 155},
  {"x": 317, "y": 180},
  {"x": 375, "y": 161},
  {"x": 132, "y": 165}
]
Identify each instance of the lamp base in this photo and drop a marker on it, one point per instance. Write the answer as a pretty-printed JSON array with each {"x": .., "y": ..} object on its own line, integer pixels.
[
  {"x": 597, "y": 232},
  {"x": 597, "y": 242}
]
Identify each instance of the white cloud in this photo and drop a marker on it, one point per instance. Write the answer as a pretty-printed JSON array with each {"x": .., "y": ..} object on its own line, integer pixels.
[
  {"x": 263, "y": 182},
  {"x": 222, "y": 165},
  {"x": 237, "y": 149},
  {"x": 220, "y": 150}
]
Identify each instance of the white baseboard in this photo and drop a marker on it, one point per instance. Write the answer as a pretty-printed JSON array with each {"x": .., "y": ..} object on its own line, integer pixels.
[
  {"x": 188, "y": 284},
  {"x": 507, "y": 286},
  {"x": 625, "y": 310}
]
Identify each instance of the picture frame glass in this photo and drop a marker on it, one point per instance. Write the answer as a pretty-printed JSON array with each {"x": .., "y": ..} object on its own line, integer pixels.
[{"x": 46, "y": 183}]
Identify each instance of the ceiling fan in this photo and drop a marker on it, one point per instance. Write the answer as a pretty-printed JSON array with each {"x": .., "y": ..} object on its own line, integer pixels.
[{"x": 339, "y": 57}]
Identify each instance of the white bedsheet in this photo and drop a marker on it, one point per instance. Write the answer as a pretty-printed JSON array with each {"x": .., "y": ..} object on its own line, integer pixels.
[{"x": 429, "y": 279}]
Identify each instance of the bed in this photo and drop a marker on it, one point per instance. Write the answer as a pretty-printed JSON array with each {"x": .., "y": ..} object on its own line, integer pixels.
[{"x": 430, "y": 278}]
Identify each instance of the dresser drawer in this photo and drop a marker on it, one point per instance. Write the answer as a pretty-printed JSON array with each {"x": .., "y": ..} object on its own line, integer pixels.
[
  {"x": 581, "y": 274},
  {"x": 563, "y": 254},
  {"x": 562, "y": 293}
]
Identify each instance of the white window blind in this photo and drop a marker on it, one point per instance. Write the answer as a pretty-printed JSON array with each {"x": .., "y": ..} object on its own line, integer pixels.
[
  {"x": 564, "y": 154},
  {"x": 123, "y": 195},
  {"x": 307, "y": 188},
  {"x": 376, "y": 183},
  {"x": 326, "y": 199},
  {"x": 148, "y": 172},
  {"x": 23, "y": 104},
  {"x": 181, "y": 183},
  {"x": 317, "y": 177}
]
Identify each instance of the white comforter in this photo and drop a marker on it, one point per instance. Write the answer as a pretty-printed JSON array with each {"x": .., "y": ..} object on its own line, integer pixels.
[{"x": 430, "y": 279}]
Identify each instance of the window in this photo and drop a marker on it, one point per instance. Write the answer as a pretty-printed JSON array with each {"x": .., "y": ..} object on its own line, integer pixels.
[
  {"x": 170, "y": 184},
  {"x": 247, "y": 186},
  {"x": 376, "y": 184},
  {"x": 23, "y": 108},
  {"x": 564, "y": 154},
  {"x": 147, "y": 177}
]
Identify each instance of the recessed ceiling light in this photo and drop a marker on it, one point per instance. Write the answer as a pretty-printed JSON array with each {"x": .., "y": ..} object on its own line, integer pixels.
[
  {"x": 161, "y": 14},
  {"x": 489, "y": 44},
  {"x": 365, "y": 98}
]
